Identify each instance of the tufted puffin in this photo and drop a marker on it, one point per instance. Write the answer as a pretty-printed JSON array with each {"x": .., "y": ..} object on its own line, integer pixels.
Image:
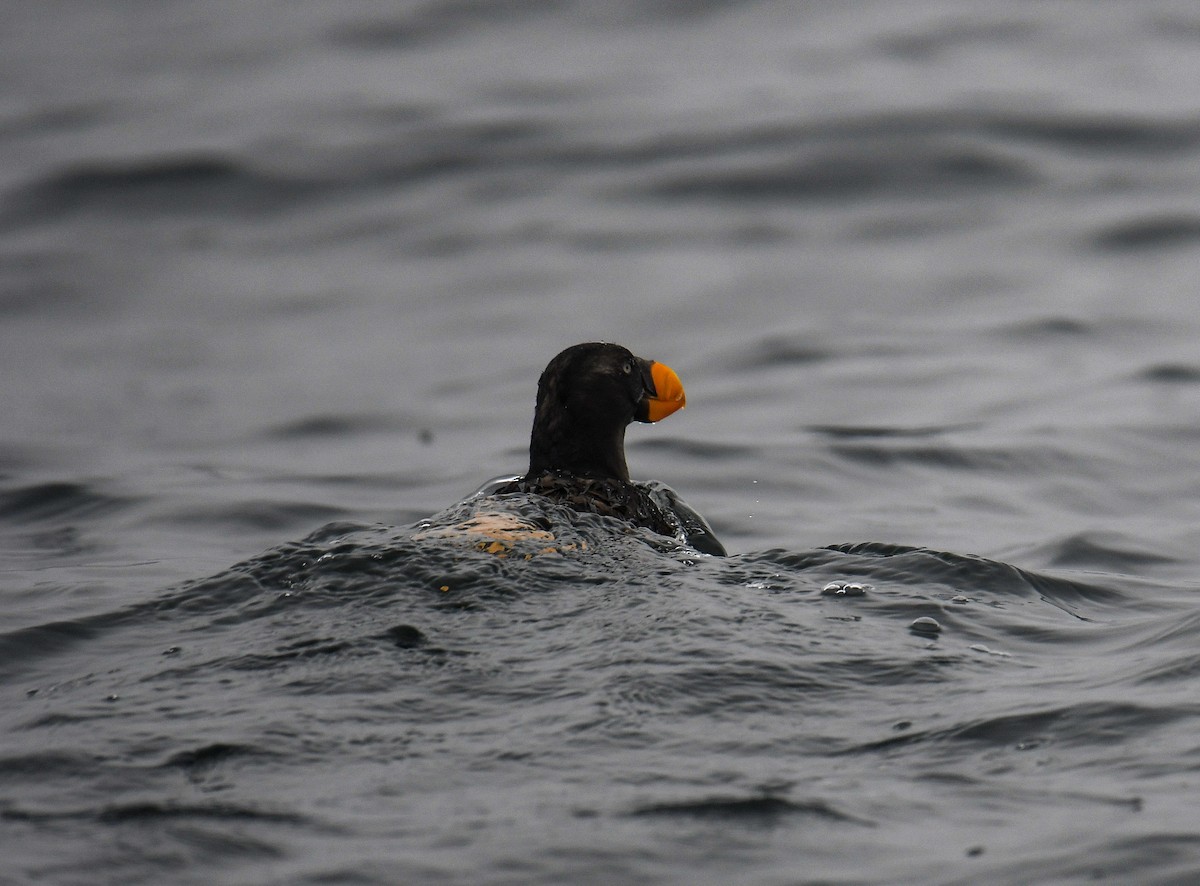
[{"x": 586, "y": 397}]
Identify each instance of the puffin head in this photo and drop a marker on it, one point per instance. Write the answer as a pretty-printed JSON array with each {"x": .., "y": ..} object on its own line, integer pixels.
[{"x": 586, "y": 397}]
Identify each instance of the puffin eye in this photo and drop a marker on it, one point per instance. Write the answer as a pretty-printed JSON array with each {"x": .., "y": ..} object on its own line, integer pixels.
[{"x": 627, "y": 367}]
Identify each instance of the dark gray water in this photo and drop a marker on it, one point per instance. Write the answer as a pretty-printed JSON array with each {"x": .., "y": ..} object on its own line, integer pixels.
[{"x": 276, "y": 283}]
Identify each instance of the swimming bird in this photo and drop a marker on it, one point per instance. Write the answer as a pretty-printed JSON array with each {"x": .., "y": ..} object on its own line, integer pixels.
[{"x": 586, "y": 398}]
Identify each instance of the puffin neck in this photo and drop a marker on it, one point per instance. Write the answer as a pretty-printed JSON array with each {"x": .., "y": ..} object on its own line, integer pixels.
[{"x": 582, "y": 446}]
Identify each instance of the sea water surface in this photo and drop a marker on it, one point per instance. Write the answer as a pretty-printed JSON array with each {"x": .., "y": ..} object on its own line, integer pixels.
[{"x": 276, "y": 283}]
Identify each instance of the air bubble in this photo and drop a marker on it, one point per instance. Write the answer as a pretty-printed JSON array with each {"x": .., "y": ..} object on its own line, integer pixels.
[
  {"x": 926, "y": 626},
  {"x": 845, "y": 589}
]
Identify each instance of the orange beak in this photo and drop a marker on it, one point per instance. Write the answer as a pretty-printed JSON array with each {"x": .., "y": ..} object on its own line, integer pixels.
[{"x": 669, "y": 395}]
